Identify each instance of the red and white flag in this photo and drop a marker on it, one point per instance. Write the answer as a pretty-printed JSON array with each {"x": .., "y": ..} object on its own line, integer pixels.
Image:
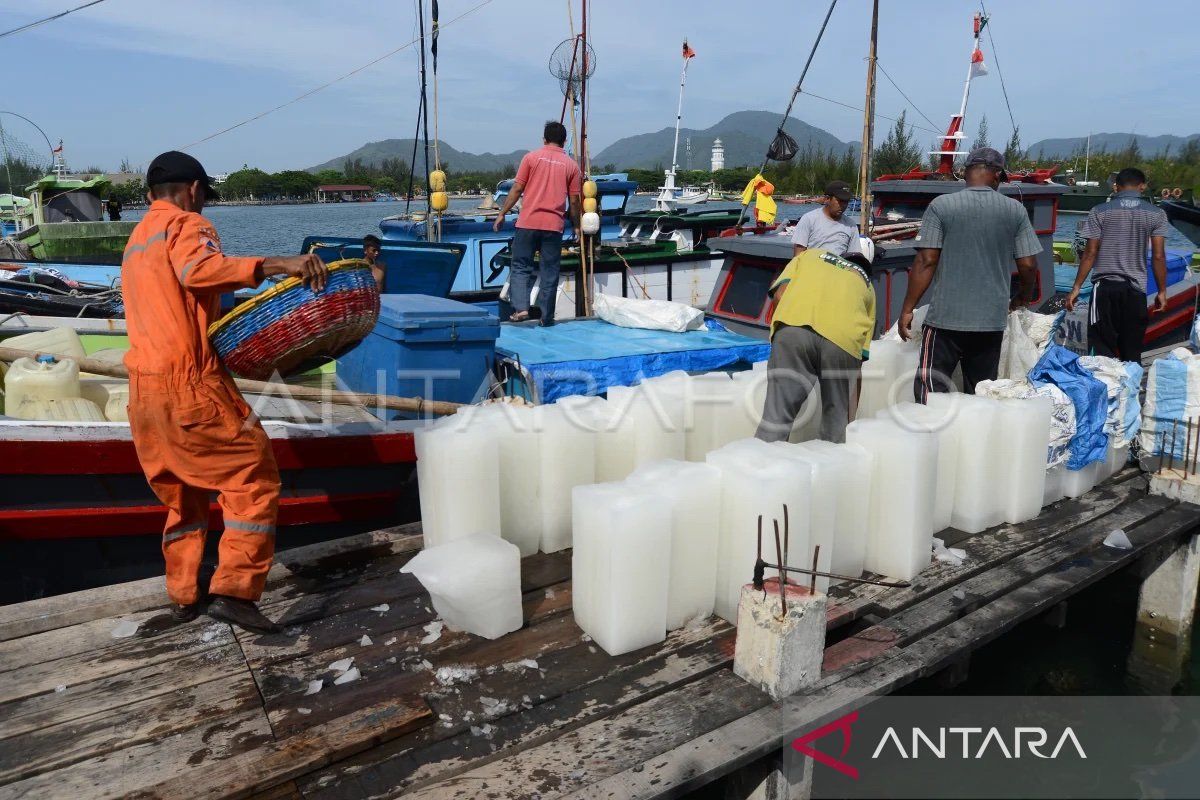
[
  {"x": 59, "y": 148},
  {"x": 977, "y": 66},
  {"x": 688, "y": 52}
]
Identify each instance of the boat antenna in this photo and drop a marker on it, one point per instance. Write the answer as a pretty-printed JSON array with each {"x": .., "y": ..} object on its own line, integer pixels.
[
  {"x": 783, "y": 147},
  {"x": 666, "y": 196},
  {"x": 437, "y": 155},
  {"x": 868, "y": 137},
  {"x": 954, "y": 133}
]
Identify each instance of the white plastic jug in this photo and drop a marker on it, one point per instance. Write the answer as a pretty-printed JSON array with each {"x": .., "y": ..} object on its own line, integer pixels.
[
  {"x": 117, "y": 407},
  {"x": 44, "y": 379},
  {"x": 57, "y": 341},
  {"x": 58, "y": 409}
]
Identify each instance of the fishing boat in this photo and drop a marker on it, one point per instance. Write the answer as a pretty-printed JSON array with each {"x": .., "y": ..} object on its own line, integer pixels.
[
  {"x": 1185, "y": 216},
  {"x": 481, "y": 278}
]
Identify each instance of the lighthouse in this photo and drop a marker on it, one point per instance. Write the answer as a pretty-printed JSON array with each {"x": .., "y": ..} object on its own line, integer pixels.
[{"x": 718, "y": 156}]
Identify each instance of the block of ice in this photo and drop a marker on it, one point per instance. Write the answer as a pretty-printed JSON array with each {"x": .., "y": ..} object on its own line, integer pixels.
[
  {"x": 1025, "y": 433},
  {"x": 822, "y": 508},
  {"x": 917, "y": 417},
  {"x": 1055, "y": 489},
  {"x": 458, "y": 476},
  {"x": 712, "y": 397},
  {"x": 757, "y": 481},
  {"x": 887, "y": 376},
  {"x": 474, "y": 582},
  {"x": 566, "y": 459},
  {"x": 649, "y": 422},
  {"x": 619, "y": 564},
  {"x": 693, "y": 492},
  {"x": 978, "y": 496},
  {"x": 745, "y": 413},
  {"x": 900, "y": 534},
  {"x": 854, "y": 503},
  {"x": 614, "y": 460},
  {"x": 1081, "y": 481},
  {"x": 517, "y": 448}
]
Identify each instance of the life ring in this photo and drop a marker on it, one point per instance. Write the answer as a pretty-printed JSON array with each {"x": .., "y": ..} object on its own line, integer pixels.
[
  {"x": 1165, "y": 193},
  {"x": 1177, "y": 193}
]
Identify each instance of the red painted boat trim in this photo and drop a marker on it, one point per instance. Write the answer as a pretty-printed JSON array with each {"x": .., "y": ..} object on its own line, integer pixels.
[
  {"x": 117, "y": 456},
  {"x": 1179, "y": 310},
  {"x": 93, "y": 521}
]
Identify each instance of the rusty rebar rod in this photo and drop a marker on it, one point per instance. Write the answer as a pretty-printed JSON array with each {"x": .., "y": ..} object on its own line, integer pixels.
[
  {"x": 782, "y": 575},
  {"x": 760, "y": 569}
]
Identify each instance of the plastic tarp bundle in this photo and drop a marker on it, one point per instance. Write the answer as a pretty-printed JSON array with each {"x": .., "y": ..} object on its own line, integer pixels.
[
  {"x": 1025, "y": 339},
  {"x": 1123, "y": 381},
  {"x": 1062, "y": 418},
  {"x": 587, "y": 356},
  {"x": 655, "y": 315},
  {"x": 1172, "y": 395},
  {"x": 1089, "y": 395}
]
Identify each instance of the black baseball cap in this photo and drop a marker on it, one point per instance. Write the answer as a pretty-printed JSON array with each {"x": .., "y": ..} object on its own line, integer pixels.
[
  {"x": 176, "y": 167},
  {"x": 840, "y": 190},
  {"x": 988, "y": 157}
]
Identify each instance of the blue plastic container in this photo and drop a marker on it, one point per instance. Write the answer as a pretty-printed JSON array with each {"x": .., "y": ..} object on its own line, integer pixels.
[
  {"x": 1177, "y": 267},
  {"x": 423, "y": 346}
]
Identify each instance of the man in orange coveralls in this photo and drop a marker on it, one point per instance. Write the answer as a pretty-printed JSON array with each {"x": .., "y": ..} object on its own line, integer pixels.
[{"x": 193, "y": 432}]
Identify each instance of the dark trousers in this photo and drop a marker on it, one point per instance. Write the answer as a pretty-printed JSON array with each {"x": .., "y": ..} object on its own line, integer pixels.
[
  {"x": 801, "y": 359},
  {"x": 1117, "y": 320},
  {"x": 548, "y": 244},
  {"x": 942, "y": 350}
]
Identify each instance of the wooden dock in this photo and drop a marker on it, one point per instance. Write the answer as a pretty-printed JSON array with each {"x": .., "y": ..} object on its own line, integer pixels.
[{"x": 202, "y": 710}]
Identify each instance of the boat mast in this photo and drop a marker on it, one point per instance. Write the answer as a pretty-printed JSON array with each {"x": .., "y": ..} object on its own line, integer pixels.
[
  {"x": 954, "y": 134},
  {"x": 868, "y": 137},
  {"x": 666, "y": 197},
  {"x": 1087, "y": 157}
]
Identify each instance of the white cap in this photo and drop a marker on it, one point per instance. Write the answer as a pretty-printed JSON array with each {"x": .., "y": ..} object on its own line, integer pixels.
[{"x": 866, "y": 246}]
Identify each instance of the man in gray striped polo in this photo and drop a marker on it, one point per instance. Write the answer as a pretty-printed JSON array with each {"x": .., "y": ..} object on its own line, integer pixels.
[{"x": 1117, "y": 233}]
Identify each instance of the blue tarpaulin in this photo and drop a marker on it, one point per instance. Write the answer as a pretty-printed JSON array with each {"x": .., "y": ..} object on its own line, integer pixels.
[
  {"x": 588, "y": 356},
  {"x": 1088, "y": 394}
]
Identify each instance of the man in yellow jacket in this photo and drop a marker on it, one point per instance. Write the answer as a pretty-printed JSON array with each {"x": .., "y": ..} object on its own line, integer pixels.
[{"x": 821, "y": 329}]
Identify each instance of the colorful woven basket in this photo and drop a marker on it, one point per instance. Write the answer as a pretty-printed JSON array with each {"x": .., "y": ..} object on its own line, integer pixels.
[{"x": 288, "y": 328}]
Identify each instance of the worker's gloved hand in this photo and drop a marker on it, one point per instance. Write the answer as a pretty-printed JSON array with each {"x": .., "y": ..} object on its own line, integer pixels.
[{"x": 308, "y": 268}]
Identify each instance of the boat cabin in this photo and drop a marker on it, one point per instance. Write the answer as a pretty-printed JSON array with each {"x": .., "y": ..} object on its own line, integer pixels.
[{"x": 740, "y": 302}]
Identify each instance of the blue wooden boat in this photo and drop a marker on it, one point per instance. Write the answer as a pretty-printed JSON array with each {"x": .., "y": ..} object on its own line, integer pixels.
[{"x": 480, "y": 278}]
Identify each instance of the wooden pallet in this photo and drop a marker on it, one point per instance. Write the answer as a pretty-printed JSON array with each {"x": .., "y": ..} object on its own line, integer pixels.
[{"x": 206, "y": 711}]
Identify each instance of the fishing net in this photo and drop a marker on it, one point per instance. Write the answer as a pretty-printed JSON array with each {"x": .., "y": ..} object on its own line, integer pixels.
[
  {"x": 783, "y": 147},
  {"x": 567, "y": 63},
  {"x": 24, "y": 153}
]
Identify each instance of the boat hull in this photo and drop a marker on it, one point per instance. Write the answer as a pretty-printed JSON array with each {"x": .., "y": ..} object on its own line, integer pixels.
[{"x": 1185, "y": 217}]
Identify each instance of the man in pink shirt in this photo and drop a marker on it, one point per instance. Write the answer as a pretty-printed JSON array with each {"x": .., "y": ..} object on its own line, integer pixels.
[{"x": 547, "y": 180}]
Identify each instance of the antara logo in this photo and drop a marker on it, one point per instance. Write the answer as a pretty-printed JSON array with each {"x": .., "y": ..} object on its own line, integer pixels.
[{"x": 1031, "y": 739}]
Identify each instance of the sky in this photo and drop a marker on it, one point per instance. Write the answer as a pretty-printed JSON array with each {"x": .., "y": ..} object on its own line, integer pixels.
[{"x": 127, "y": 79}]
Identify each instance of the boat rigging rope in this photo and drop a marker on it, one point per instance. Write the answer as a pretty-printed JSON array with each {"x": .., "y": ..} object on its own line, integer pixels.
[
  {"x": 792, "y": 101},
  {"x": 858, "y": 108},
  {"x": 902, "y": 94},
  {"x": 50, "y": 18},
  {"x": 325, "y": 86},
  {"x": 999, "y": 70}
]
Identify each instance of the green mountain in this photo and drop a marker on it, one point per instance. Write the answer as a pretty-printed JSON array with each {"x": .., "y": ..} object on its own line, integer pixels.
[
  {"x": 374, "y": 152},
  {"x": 745, "y": 135},
  {"x": 1149, "y": 146}
]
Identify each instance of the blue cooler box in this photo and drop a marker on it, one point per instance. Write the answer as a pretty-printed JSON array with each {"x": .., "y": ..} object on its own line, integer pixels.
[{"x": 423, "y": 346}]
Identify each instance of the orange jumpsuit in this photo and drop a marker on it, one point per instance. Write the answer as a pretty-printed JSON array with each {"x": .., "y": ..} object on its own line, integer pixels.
[{"x": 193, "y": 432}]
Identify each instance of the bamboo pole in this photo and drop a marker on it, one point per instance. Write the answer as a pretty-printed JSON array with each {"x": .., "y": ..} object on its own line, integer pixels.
[
  {"x": 868, "y": 138},
  {"x": 316, "y": 393}
]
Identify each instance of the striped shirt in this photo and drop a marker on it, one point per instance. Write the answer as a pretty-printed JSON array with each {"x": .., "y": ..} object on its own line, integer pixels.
[{"x": 1124, "y": 226}]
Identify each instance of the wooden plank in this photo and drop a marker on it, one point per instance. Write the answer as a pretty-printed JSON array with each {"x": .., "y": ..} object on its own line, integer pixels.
[
  {"x": 80, "y": 700},
  {"x": 579, "y": 684},
  {"x": 130, "y": 654},
  {"x": 710, "y": 754},
  {"x": 386, "y": 673},
  {"x": 320, "y": 633},
  {"x": 957, "y": 599},
  {"x": 199, "y": 754},
  {"x": 150, "y": 720},
  {"x": 36, "y": 616}
]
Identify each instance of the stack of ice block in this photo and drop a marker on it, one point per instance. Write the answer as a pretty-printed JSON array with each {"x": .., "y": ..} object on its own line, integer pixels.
[
  {"x": 622, "y": 550},
  {"x": 980, "y": 489},
  {"x": 566, "y": 459},
  {"x": 713, "y": 397},
  {"x": 459, "y": 478},
  {"x": 693, "y": 494},
  {"x": 1025, "y": 432},
  {"x": 887, "y": 376},
  {"x": 934, "y": 420},
  {"x": 904, "y": 477},
  {"x": 749, "y": 396},
  {"x": 752, "y": 485},
  {"x": 852, "y": 465},
  {"x": 822, "y": 508},
  {"x": 518, "y": 444},
  {"x": 649, "y": 422}
]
